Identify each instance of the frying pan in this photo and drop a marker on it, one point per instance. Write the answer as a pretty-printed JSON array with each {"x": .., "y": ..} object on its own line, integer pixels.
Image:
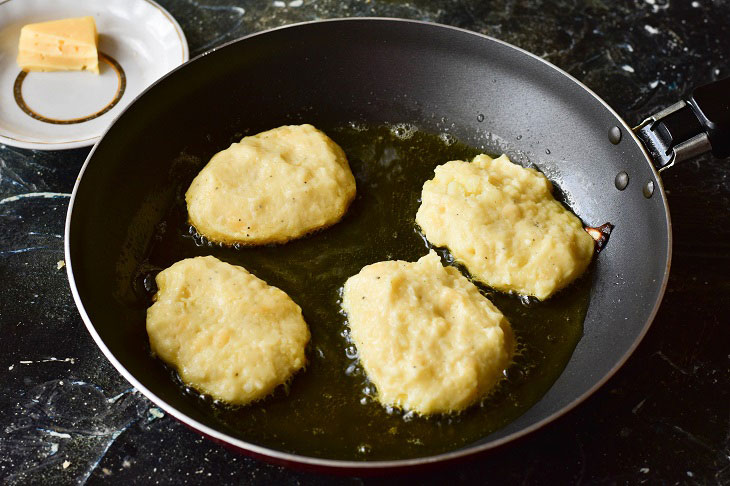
[{"x": 379, "y": 71}]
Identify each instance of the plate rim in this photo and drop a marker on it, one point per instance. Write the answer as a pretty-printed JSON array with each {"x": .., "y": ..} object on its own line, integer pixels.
[{"x": 89, "y": 141}]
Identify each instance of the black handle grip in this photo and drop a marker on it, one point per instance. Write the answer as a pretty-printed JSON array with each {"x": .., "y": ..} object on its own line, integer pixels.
[
  {"x": 711, "y": 105},
  {"x": 689, "y": 128}
]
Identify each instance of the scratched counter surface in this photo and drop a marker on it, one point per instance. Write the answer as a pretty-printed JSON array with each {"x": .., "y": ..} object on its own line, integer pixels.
[{"x": 67, "y": 416}]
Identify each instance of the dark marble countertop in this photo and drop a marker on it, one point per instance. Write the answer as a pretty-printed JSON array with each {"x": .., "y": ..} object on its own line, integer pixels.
[{"x": 67, "y": 416}]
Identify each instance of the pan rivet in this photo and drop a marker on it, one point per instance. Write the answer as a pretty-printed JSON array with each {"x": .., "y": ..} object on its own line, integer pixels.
[
  {"x": 614, "y": 135},
  {"x": 648, "y": 189},
  {"x": 622, "y": 180}
]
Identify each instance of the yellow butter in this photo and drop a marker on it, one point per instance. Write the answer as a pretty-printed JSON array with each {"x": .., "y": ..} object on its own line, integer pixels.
[{"x": 59, "y": 45}]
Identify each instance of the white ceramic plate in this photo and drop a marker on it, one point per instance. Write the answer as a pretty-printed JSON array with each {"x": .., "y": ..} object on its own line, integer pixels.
[{"x": 139, "y": 41}]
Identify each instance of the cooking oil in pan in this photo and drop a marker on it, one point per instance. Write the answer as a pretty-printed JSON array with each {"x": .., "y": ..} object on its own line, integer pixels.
[{"x": 329, "y": 409}]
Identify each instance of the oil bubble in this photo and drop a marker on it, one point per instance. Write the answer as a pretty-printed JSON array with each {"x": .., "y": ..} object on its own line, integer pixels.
[
  {"x": 150, "y": 285},
  {"x": 447, "y": 138},
  {"x": 351, "y": 370},
  {"x": 480, "y": 118},
  {"x": 358, "y": 127},
  {"x": 199, "y": 239},
  {"x": 528, "y": 300},
  {"x": 403, "y": 131},
  {"x": 513, "y": 374},
  {"x": 351, "y": 352}
]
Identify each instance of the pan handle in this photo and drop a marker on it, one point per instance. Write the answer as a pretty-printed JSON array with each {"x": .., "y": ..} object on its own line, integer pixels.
[{"x": 691, "y": 127}]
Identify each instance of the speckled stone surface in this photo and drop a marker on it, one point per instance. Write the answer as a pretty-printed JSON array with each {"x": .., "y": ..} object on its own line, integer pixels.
[{"x": 67, "y": 416}]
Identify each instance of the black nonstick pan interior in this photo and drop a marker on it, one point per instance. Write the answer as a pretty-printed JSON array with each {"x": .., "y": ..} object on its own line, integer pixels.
[{"x": 362, "y": 73}]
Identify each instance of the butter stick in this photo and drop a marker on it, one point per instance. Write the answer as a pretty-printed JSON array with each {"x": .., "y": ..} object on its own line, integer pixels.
[{"x": 59, "y": 45}]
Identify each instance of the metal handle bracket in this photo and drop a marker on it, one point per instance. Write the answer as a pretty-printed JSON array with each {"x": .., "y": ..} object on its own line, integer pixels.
[
  {"x": 687, "y": 129},
  {"x": 661, "y": 137}
]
